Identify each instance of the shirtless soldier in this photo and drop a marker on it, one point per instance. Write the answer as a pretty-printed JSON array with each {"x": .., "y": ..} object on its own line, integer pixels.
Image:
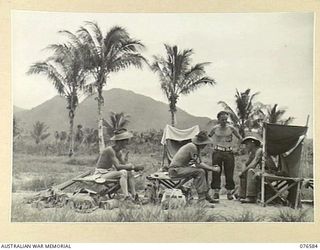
[
  {"x": 112, "y": 164},
  {"x": 223, "y": 154}
]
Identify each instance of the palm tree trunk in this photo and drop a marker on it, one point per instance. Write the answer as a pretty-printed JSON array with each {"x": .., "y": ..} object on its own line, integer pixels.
[
  {"x": 173, "y": 109},
  {"x": 173, "y": 118},
  {"x": 241, "y": 131},
  {"x": 100, "y": 122},
  {"x": 71, "y": 122},
  {"x": 242, "y": 128}
]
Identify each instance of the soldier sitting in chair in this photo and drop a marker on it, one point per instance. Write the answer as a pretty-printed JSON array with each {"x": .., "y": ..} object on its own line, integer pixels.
[
  {"x": 248, "y": 187},
  {"x": 249, "y": 176},
  {"x": 188, "y": 155},
  {"x": 113, "y": 165}
]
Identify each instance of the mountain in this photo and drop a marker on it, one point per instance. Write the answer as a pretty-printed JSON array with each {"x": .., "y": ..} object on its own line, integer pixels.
[
  {"x": 17, "y": 109},
  {"x": 145, "y": 112},
  {"x": 52, "y": 112}
]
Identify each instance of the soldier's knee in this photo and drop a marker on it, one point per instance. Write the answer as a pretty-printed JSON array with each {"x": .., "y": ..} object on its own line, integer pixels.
[
  {"x": 124, "y": 173},
  {"x": 129, "y": 173},
  {"x": 201, "y": 171}
]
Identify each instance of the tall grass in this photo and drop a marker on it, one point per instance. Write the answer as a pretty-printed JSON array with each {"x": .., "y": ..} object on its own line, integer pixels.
[
  {"x": 22, "y": 212},
  {"x": 292, "y": 215},
  {"x": 245, "y": 216},
  {"x": 143, "y": 214},
  {"x": 149, "y": 213}
]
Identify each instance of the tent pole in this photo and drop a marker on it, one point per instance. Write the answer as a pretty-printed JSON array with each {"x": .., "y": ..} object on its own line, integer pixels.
[
  {"x": 163, "y": 156},
  {"x": 263, "y": 164},
  {"x": 307, "y": 123}
]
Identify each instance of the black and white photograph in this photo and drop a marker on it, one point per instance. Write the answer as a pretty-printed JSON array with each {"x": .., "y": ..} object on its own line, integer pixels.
[{"x": 162, "y": 117}]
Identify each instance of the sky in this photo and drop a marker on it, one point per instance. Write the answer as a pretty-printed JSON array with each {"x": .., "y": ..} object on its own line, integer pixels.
[{"x": 270, "y": 53}]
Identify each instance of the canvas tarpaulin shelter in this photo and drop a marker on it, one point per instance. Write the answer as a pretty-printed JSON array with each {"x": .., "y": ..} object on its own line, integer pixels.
[
  {"x": 285, "y": 142},
  {"x": 282, "y": 138},
  {"x": 174, "y": 138}
]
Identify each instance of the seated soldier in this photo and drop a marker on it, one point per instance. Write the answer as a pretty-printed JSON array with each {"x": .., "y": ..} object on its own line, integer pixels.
[
  {"x": 249, "y": 177},
  {"x": 248, "y": 187},
  {"x": 113, "y": 165},
  {"x": 188, "y": 155}
]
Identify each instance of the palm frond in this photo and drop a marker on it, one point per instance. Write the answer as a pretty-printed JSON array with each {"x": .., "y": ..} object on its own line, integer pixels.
[
  {"x": 192, "y": 86},
  {"x": 58, "y": 49},
  {"x": 129, "y": 46},
  {"x": 289, "y": 120},
  {"x": 226, "y": 107},
  {"x": 74, "y": 39},
  {"x": 115, "y": 37},
  {"x": 91, "y": 42},
  {"x": 96, "y": 30},
  {"x": 126, "y": 61},
  {"x": 159, "y": 66},
  {"x": 252, "y": 97},
  {"x": 115, "y": 122},
  {"x": 52, "y": 74},
  {"x": 121, "y": 49}
]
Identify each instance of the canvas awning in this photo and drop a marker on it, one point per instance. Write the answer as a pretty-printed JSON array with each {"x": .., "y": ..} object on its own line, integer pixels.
[
  {"x": 286, "y": 142},
  {"x": 282, "y": 138},
  {"x": 176, "y": 134}
]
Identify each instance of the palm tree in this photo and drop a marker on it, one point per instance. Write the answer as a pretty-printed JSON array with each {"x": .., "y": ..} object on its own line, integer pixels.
[
  {"x": 15, "y": 127},
  {"x": 79, "y": 134},
  {"x": 109, "y": 53},
  {"x": 274, "y": 115},
  {"x": 66, "y": 70},
  {"x": 244, "y": 116},
  {"x": 39, "y": 132},
  {"x": 177, "y": 77},
  {"x": 116, "y": 122}
]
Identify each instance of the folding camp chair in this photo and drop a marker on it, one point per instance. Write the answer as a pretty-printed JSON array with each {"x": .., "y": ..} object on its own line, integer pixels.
[
  {"x": 172, "y": 140},
  {"x": 309, "y": 183},
  {"x": 286, "y": 143},
  {"x": 108, "y": 187}
]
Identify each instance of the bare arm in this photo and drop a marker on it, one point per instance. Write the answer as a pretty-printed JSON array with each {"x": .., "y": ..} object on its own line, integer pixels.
[
  {"x": 122, "y": 158},
  {"x": 207, "y": 167},
  {"x": 254, "y": 162},
  {"x": 212, "y": 131},
  {"x": 125, "y": 165},
  {"x": 236, "y": 133},
  {"x": 119, "y": 166}
]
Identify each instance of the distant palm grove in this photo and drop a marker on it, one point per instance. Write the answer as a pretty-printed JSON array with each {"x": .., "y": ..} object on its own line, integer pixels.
[{"x": 82, "y": 65}]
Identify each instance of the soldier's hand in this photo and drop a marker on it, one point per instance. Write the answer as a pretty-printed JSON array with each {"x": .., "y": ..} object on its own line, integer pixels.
[
  {"x": 216, "y": 168},
  {"x": 139, "y": 168},
  {"x": 126, "y": 157}
]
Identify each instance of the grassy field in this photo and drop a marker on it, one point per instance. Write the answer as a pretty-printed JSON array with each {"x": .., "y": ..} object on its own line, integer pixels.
[
  {"x": 225, "y": 211},
  {"x": 35, "y": 172}
]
